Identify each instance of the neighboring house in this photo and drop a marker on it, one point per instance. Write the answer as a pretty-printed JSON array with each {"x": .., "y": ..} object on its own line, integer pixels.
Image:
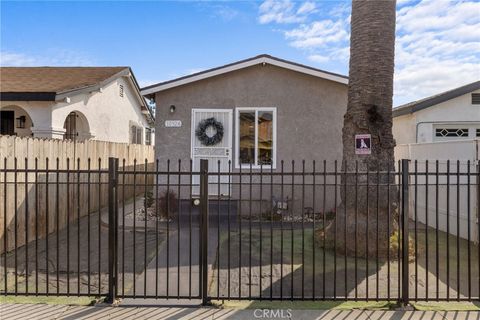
[
  {"x": 75, "y": 103},
  {"x": 453, "y": 115},
  {"x": 270, "y": 110},
  {"x": 441, "y": 128}
]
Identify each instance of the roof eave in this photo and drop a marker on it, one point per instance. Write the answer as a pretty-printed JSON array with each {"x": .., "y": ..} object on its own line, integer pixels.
[
  {"x": 401, "y": 112},
  {"x": 263, "y": 59},
  {"x": 94, "y": 87},
  {"x": 437, "y": 99},
  {"x": 27, "y": 96},
  {"x": 127, "y": 72}
]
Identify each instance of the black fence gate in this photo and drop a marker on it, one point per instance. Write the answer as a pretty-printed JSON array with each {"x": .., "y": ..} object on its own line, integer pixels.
[{"x": 300, "y": 231}]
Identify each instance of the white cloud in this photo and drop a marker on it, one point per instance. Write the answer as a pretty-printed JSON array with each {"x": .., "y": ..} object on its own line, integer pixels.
[
  {"x": 307, "y": 7},
  {"x": 437, "y": 44},
  {"x": 15, "y": 59},
  {"x": 437, "y": 15},
  {"x": 283, "y": 11},
  {"x": 437, "y": 48},
  {"x": 317, "y": 34},
  {"x": 318, "y": 58},
  {"x": 54, "y": 57}
]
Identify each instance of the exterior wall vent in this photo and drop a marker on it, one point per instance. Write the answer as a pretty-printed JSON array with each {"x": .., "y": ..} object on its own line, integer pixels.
[
  {"x": 475, "y": 98},
  {"x": 121, "y": 91}
]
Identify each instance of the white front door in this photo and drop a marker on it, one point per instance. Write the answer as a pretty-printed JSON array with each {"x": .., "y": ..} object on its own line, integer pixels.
[{"x": 221, "y": 151}]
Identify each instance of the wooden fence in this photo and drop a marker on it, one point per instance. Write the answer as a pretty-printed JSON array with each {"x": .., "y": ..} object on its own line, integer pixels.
[{"x": 28, "y": 198}]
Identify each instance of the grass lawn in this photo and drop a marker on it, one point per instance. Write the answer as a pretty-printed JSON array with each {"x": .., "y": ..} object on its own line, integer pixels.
[
  {"x": 74, "y": 301},
  {"x": 290, "y": 247},
  {"x": 304, "y": 305},
  {"x": 267, "y": 261},
  {"x": 447, "y": 306},
  {"x": 342, "y": 305}
]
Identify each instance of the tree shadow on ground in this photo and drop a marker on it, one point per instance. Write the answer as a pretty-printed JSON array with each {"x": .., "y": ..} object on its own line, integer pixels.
[
  {"x": 258, "y": 263},
  {"x": 76, "y": 255}
]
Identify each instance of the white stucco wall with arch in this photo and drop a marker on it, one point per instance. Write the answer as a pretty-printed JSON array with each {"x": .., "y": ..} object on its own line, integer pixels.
[
  {"x": 109, "y": 115},
  {"x": 39, "y": 113}
]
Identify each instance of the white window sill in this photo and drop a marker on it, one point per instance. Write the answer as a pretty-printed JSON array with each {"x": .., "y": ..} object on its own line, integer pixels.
[{"x": 256, "y": 167}]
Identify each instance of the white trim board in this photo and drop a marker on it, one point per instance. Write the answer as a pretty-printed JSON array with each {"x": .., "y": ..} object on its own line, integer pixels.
[{"x": 263, "y": 59}]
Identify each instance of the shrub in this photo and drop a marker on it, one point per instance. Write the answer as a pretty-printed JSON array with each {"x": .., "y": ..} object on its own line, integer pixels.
[
  {"x": 394, "y": 239},
  {"x": 168, "y": 204},
  {"x": 271, "y": 216},
  {"x": 149, "y": 200}
]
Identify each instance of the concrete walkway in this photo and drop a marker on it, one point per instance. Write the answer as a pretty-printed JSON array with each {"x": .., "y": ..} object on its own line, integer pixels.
[
  {"x": 177, "y": 275},
  {"x": 44, "y": 311}
]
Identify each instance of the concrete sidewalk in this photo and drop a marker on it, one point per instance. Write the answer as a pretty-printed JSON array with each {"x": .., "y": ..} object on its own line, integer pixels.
[{"x": 44, "y": 311}]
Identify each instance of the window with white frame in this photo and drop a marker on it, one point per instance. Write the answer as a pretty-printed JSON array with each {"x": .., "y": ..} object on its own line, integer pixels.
[{"x": 256, "y": 137}]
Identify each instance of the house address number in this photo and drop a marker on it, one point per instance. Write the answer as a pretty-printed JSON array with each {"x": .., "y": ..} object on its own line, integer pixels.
[{"x": 173, "y": 123}]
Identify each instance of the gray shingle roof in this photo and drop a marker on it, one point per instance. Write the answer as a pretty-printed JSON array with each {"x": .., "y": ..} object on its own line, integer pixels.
[{"x": 435, "y": 99}]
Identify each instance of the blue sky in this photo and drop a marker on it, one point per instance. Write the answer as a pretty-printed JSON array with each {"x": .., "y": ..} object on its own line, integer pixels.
[{"x": 438, "y": 43}]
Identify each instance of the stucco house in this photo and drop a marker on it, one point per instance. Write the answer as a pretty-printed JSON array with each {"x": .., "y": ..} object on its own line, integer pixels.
[
  {"x": 453, "y": 115},
  {"x": 75, "y": 103},
  {"x": 251, "y": 115},
  {"x": 269, "y": 110}
]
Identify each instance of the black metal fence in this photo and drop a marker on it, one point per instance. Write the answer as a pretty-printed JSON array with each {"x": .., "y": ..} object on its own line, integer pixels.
[{"x": 301, "y": 231}]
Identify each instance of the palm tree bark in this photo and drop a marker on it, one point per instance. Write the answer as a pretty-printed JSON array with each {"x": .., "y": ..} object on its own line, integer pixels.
[{"x": 367, "y": 215}]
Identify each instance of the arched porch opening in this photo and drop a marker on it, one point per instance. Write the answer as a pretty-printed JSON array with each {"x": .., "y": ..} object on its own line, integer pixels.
[
  {"x": 76, "y": 127},
  {"x": 15, "y": 121}
]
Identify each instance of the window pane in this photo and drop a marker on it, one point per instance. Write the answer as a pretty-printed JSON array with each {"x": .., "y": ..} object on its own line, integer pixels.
[
  {"x": 148, "y": 136},
  {"x": 71, "y": 126},
  {"x": 247, "y": 137},
  {"x": 265, "y": 137},
  {"x": 139, "y": 135},
  {"x": 134, "y": 134}
]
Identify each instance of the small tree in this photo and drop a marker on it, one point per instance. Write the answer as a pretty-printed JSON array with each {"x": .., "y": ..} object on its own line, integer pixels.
[{"x": 168, "y": 204}]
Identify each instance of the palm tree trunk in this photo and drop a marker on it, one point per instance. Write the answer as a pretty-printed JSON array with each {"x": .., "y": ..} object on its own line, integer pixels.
[{"x": 369, "y": 213}]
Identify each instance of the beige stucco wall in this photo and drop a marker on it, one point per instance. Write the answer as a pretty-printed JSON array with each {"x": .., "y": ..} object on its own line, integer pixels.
[
  {"x": 108, "y": 115},
  {"x": 419, "y": 126},
  {"x": 404, "y": 129},
  {"x": 310, "y": 111},
  {"x": 310, "y": 114}
]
